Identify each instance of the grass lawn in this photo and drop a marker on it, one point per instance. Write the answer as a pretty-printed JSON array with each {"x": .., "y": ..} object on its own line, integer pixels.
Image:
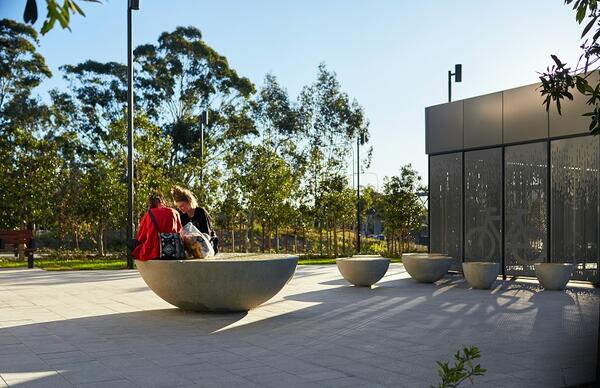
[
  {"x": 66, "y": 264},
  {"x": 94, "y": 263}
]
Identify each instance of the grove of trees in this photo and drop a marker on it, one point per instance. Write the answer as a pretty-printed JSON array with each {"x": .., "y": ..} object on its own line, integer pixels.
[{"x": 274, "y": 167}]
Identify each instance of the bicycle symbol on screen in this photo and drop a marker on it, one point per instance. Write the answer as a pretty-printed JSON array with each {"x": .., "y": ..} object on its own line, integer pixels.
[{"x": 484, "y": 240}]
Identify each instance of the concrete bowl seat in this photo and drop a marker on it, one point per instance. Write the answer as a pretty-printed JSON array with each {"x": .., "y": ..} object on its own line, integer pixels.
[
  {"x": 363, "y": 270},
  {"x": 481, "y": 274},
  {"x": 553, "y": 276},
  {"x": 427, "y": 268},
  {"x": 227, "y": 283}
]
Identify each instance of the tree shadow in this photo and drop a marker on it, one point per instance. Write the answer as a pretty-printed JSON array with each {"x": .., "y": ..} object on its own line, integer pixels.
[
  {"x": 398, "y": 328},
  {"x": 31, "y": 277}
]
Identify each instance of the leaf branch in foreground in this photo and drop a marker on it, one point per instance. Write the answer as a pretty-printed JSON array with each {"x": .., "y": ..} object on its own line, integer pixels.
[{"x": 462, "y": 370}]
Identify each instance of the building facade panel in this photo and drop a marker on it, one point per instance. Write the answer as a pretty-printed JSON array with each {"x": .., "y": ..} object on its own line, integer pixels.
[
  {"x": 524, "y": 117},
  {"x": 525, "y": 207},
  {"x": 575, "y": 165},
  {"x": 483, "y": 121},
  {"x": 445, "y": 206},
  {"x": 531, "y": 195},
  {"x": 483, "y": 205},
  {"x": 444, "y": 126}
]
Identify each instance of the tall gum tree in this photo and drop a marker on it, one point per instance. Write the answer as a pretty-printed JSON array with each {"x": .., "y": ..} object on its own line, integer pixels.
[
  {"x": 179, "y": 78},
  {"x": 28, "y": 162}
]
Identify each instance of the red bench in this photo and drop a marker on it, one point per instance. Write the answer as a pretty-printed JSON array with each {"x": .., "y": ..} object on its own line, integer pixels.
[{"x": 22, "y": 240}]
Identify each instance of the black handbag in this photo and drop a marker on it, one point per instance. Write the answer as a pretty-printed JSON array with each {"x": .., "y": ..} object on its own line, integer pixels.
[{"x": 170, "y": 244}]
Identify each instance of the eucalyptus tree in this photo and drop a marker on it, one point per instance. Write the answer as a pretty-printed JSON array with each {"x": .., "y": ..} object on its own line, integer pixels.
[
  {"x": 331, "y": 124},
  {"x": 179, "y": 78},
  {"x": 98, "y": 94},
  {"x": 278, "y": 131},
  {"x": 63, "y": 123},
  {"x": 26, "y": 170}
]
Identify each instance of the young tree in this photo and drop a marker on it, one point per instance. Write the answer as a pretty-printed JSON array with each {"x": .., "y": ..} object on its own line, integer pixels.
[
  {"x": 278, "y": 132},
  {"x": 268, "y": 181},
  {"x": 331, "y": 123},
  {"x": 402, "y": 210}
]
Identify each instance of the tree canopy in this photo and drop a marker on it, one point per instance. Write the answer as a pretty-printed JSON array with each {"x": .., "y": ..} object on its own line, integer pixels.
[{"x": 274, "y": 165}]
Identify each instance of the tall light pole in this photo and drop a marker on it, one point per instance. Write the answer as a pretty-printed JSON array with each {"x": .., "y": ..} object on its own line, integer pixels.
[
  {"x": 359, "y": 140},
  {"x": 131, "y": 5},
  {"x": 203, "y": 123},
  {"x": 457, "y": 78}
]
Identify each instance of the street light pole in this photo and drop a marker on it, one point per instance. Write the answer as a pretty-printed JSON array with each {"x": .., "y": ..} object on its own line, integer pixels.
[
  {"x": 131, "y": 5},
  {"x": 457, "y": 77},
  {"x": 358, "y": 194},
  {"x": 203, "y": 123}
]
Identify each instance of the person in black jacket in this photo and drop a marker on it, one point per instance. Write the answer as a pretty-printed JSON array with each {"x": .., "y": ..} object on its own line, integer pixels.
[{"x": 189, "y": 211}]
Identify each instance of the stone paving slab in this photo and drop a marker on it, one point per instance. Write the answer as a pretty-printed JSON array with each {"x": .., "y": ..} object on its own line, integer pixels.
[{"x": 107, "y": 329}]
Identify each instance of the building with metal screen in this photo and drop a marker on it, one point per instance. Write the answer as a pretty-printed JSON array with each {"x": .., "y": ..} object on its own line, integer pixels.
[{"x": 512, "y": 183}]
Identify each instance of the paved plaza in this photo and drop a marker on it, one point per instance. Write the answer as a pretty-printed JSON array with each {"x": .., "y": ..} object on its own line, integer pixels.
[{"x": 107, "y": 329}]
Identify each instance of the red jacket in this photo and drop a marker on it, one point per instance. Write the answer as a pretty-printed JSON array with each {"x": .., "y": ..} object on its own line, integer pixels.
[{"x": 168, "y": 222}]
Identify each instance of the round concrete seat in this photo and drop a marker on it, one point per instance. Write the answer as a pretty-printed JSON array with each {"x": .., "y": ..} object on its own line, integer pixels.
[
  {"x": 363, "y": 270},
  {"x": 426, "y": 268},
  {"x": 553, "y": 276},
  {"x": 222, "y": 284},
  {"x": 481, "y": 274}
]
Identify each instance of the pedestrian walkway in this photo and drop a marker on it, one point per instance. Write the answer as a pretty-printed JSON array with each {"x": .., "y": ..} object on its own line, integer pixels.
[{"x": 107, "y": 329}]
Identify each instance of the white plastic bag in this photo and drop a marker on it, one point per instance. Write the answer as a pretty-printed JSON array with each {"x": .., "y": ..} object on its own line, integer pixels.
[{"x": 197, "y": 244}]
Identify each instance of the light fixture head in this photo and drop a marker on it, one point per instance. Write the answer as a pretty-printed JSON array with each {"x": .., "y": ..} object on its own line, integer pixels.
[
  {"x": 204, "y": 118},
  {"x": 134, "y": 4},
  {"x": 458, "y": 72}
]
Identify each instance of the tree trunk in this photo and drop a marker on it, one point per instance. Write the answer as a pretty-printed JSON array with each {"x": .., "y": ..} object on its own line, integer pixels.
[
  {"x": 277, "y": 238},
  {"x": 233, "y": 239},
  {"x": 328, "y": 239},
  {"x": 242, "y": 236},
  {"x": 320, "y": 240},
  {"x": 389, "y": 246},
  {"x": 262, "y": 247},
  {"x": 335, "y": 243},
  {"x": 251, "y": 231},
  {"x": 295, "y": 241},
  {"x": 343, "y": 238},
  {"x": 100, "y": 240},
  {"x": 76, "y": 235}
]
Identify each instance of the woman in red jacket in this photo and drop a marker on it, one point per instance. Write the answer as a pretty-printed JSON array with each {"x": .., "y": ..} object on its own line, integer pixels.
[{"x": 168, "y": 222}]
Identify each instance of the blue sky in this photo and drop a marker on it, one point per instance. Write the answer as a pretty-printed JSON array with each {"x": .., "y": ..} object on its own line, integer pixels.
[{"x": 392, "y": 56}]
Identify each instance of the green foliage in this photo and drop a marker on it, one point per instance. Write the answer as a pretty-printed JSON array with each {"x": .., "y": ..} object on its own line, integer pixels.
[
  {"x": 181, "y": 77},
  {"x": 560, "y": 81},
  {"x": 29, "y": 161},
  {"x": 400, "y": 207},
  {"x": 462, "y": 370},
  {"x": 56, "y": 12},
  {"x": 272, "y": 165}
]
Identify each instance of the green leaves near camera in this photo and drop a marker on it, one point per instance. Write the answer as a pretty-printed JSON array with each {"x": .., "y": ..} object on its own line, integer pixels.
[
  {"x": 56, "y": 12},
  {"x": 462, "y": 370}
]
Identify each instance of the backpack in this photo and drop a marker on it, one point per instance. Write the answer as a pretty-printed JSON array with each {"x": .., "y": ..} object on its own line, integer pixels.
[{"x": 170, "y": 244}]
